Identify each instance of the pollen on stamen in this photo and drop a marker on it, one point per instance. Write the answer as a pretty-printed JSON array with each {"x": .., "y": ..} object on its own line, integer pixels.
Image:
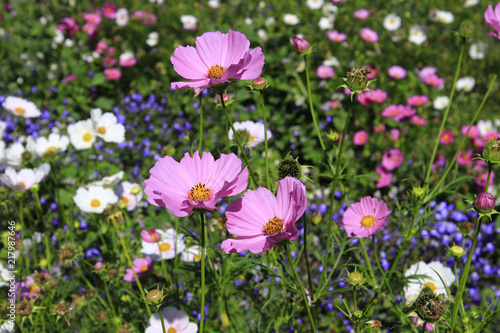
[
  {"x": 273, "y": 226},
  {"x": 199, "y": 192},
  {"x": 368, "y": 221},
  {"x": 216, "y": 71}
]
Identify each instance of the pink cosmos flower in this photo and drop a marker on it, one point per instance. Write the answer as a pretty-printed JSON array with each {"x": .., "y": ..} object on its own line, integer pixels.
[
  {"x": 112, "y": 74},
  {"x": 149, "y": 19},
  {"x": 419, "y": 121},
  {"x": 493, "y": 19},
  {"x": 127, "y": 59},
  {"x": 150, "y": 236},
  {"x": 392, "y": 159},
  {"x": 379, "y": 128},
  {"x": 92, "y": 18},
  {"x": 491, "y": 136},
  {"x": 109, "y": 10},
  {"x": 360, "y": 137},
  {"x": 428, "y": 327},
  {"x": 379, "y": 96},
  {"x": 433, "y": 80},
  {"x": 395, "y": 134},
  {"x": 101, "y": 47},
  {"x": 369, "y": 35},
  {"x": 365, "y": 98},
  {"x": 90, "y": 30},
  {"x": 325, "y": 72},
  {"x": 473, "y": 133},
  {"x": 385, "y": 177},
  {"x": 397, "y": 72},
  {"x": 374, "y": 72},
  {"x": 427, "y": 71},
  {"x": 363, "y": 218},
  {"x": 194, "y": 182},
  {"x": 68, "y": 26},
  {"x": 446, "y": 137},
  {"x": 216, "y": 59},
  {"x": 109, "y": 62},
  {"x": 398, "y": 112},
  {"x": 336, "y": 36},
  {"x": 362, "y": 14},
  {"x": 465, "y": 158},
  {"x": 141, "y": 266},
  {"x": 417, "y": 100},
  {"x": 260, "y": 219}
]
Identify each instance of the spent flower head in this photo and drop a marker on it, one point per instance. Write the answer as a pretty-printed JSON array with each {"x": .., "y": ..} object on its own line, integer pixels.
[{"x": 357, "y": 80}]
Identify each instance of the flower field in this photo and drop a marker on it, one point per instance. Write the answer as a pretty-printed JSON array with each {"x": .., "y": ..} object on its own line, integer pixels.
[{"x": 249, "y": 166}]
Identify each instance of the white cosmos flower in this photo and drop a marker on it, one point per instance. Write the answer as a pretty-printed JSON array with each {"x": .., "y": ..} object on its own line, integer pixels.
[
  {"x": 466, "y": 83},
  {"x": 291, "y": 19},
  {"x": 441, "y": 102},
  {"x": 262, "y": 35},
  {"x": 315, "y": 4},
  {"x": 485, "y": 126},
  {"x": 94, "y": 199},
  {"x": 331, "y": 61},
  {"x": 214, "y": 3},
  {"x": 255, "y": 132},
  {"x": 4, "y": 276},
  {"x": 82, "y": 134},
  {"x": 121, "y": 17},
  {"x": 109, "y": 181},
  {"x": 129, "y": 193},
  {"x": 21, "y": 107},
  {"x": 189, "y": 22},
  {"x": 269, "y": 21},
  {"x": 417, "y": 35},
  {"x": 152, "y": 38},
  {"x": 326, "y": 23},
  {"x": 56, "y": 143},
  {"x": 2, "y": 152},
  {"x": 330, "y": 9},
  {"x": 14, "y": 154},
  {"x": 441, "y": 16},
  {"x": 392, "y": 22},
  {"x": 7, "y": 327},
  {"x": 24, "y": 179},
  {"x": 106, "y": 126},
  {"x": 476, "y": 50},
  {"x": 3, "y": 126},
  {"x": 191, "y": 254},
  {"x": 431, "y": 270},
  {"x": 166, "y": 247},
  {"x": 470, "y": 3},
  {"x": 175, "y": 321}
]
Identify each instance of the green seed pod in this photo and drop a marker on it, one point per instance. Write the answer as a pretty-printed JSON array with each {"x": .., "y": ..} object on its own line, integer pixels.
[{"x": 289, "y": 167}]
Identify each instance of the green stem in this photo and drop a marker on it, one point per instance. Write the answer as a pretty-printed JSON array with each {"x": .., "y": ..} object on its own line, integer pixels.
[
  {"x": 235, "y": 136},
  {"x": 445, "y": 117},
  {"x": 162, "y": 322},
  {"x": 450, "y": 166},
  {"x": 303, "y": 292},
  {"x": 309, "y": 279},
  {"x": 131, "y": 265},
  {"x": 368, "y": 262},
  {"x": 202, "y": 235},
  {"x": 490, "y": 166},
  {"x": 311, "y": 107},
  {"x": 463, "y": 278},
  {"x": 109, "y": 298},
  {"x": 265, "y": 139},
  {"x": 200, "y": 135}
]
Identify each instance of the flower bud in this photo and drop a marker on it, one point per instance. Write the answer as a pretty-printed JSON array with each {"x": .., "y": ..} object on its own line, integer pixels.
[
  {"x": 356, "y": 278},
  {"x": 491, "y": 151},
  {"x": 225, "y": 96},
  {"x": 300, "y": 44},
  {"x": 457, "y": 251},
  {"x": 259, "y": 83},
  {"x": 154, "y": 296},
  {"x": 98, "y": 266},
  {"x": 485, "y": 202},
  {"x": 289, "y": 167}
]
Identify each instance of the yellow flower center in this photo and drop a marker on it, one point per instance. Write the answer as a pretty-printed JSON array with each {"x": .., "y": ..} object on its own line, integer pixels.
[
  {"x": 125, "y": 200},
  {"x": 22, "y": 184},
  {"x": 101, "y": 130},
  {"x": 273, "y": 226},
  {"x": 171, "y": 330},
  {"x": 144, "y": 268},
  {"x": 197, "y": 257},
  {"x": 87, "y": 137},
  {"x": 164, "y": 247},
  {"x": 153, "y": 237},
  {"x": 95, "y": 203},
  {"x": 431, "y": 285},
  {"x": 216, "y": 71},
  {"x": 368, "y": 221},
  {"x": 19, "y": 110},
  {"x": 49, "y": 150},
  {"x": 33, "y": 288},
  {"x": 199, "y": 193}
]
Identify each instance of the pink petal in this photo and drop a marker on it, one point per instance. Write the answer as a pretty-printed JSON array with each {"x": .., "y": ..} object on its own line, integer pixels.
[
  {"x": 227, "y": 177},
  {"x": 196, "y": 84},
  {"x": 291, "y": 199},
  {"x": 210, "y": 48},
  {"x": 254, "y": 69},
  {"x": 248, "y": 215},
  {"x": 254, "y": 244},
  {"x": 234, "y": 47},
  {"x": 188, "y": 64}
]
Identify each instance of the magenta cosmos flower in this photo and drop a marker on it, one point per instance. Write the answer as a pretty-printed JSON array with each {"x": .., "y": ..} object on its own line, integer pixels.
[
  {"x": 216, "y": 59},
  {"x": 363, "y": 218},
  {"x": 492, "y": 17},
  {"x": 194, "y": 182},
  {"x": 260, "y": 219},
  {"x": 392, "y": 159}
]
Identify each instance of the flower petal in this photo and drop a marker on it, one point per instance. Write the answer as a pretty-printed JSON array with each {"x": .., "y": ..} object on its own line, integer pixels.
[
  {"x": 254, "y": 244},
  {"x": 188, "y": 64}
]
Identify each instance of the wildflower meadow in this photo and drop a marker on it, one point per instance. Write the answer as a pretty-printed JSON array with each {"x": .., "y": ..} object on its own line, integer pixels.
[{"x": 249, "y": 166}]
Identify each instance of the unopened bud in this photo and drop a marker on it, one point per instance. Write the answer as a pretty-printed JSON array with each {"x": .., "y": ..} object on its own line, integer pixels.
[
  {"x": 356, "y": 278},
  {"x": 154, "y": 296},
  {"x": 98, "y": 266},
  {"x": 485, "y": 202},
  {"x": 259, "y": 83},
  {"x": 457, "y": 251},
  {"x": 300, "y": 44},
  {"x": 225, "y": 96}
]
